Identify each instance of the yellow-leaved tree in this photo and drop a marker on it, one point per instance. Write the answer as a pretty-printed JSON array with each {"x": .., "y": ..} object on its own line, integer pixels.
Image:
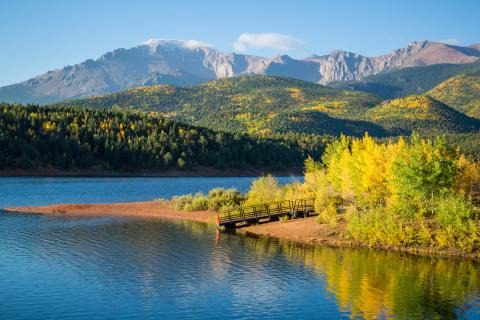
[{"x": 264, "y": 190}]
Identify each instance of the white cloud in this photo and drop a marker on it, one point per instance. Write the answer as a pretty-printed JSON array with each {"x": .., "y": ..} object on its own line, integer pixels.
[
  {"x": 452, "y": 41},
  {"x": 266, "y": 40},
  {"x": 192, "y": 44},
  {"x": 189, "y": 44}
]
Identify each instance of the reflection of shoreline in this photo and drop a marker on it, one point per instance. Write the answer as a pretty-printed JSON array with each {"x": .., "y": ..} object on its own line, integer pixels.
[
  {"x": 307, "y": 231},
  {"x": 374, "y": 284},
  {"x": 301, "y": 230}
]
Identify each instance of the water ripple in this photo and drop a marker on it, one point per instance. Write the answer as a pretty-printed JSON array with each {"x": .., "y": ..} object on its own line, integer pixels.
[{"x": 125, "y": 268}]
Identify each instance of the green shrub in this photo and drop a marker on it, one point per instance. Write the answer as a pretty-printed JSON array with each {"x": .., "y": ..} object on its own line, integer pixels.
[
  {"x": 179, "y": 202},
  {"x": 199, "y": 202},
  {"x": 453, "y": 211},
  {"x": 327, "y": 213},
  {"x": 217, "y": 199},
  {"x": 456, "y": 227},
  {"x": 188, "y": 207},
  {"x": 381, "y": 226},
  {"x": 221, "y": 199},
  {"x": 190, "y": 202}
]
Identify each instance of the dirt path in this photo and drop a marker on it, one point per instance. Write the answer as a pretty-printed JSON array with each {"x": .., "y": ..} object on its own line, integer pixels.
[{"x": 302, "y": 230}]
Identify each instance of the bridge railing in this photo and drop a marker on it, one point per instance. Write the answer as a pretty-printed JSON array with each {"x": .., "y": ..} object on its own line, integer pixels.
[
  {"x": 265, "y": 210},
  {"x": 254, "y": 211},
  {"x": 303, "y": 205}
]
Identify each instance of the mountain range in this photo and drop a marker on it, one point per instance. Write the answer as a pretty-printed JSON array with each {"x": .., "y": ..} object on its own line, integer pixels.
[{"x": 190, "y": 62}]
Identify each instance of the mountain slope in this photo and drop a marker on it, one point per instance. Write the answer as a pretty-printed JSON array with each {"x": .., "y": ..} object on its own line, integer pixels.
[
  {"x": 461, "y": 93},
  {"x": 254, "y": 104},
  {"x": 189, "y": 62},
  {"x": 407, "y": 81},
  {"x": 475, "y": 46},
  {"x": 420, "y": 113}
]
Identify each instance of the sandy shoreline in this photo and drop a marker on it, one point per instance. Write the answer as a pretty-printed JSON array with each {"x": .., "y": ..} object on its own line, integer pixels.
[
  {"x": 159, "y": 209},
  {"x": 300, "y": 230},
  {"x": 305, "y": 230}
]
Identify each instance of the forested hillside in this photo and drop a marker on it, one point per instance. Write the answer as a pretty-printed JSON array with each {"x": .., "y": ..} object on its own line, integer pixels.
[
  {"x": 75, "y": 138},
  {"x": 259, "y": 105},
  {"x": 267, "y": 106},
  {"x": 422, "y": 114},
  {"x": 408, "y": 81},
  {"x": 461, "y": 93}
]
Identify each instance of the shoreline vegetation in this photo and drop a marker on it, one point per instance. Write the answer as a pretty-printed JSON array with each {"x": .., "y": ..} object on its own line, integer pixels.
[{"x": 412, "y": 195}]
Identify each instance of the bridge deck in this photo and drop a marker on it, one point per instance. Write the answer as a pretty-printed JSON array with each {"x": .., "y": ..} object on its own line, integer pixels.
[{"x": 267, "y": 211}]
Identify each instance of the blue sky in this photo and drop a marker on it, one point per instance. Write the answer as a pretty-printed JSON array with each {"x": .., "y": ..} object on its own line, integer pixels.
[{"x": 37, "y": 36}]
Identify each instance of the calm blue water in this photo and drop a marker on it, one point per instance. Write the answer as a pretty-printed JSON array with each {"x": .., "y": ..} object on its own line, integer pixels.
[
  {"x": 42, "y": 191},
  {"x": 131, "y": 268}
]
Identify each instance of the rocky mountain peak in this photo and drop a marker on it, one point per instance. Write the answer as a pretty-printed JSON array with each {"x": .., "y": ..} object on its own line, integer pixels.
[{"x": 187, "y": 62}]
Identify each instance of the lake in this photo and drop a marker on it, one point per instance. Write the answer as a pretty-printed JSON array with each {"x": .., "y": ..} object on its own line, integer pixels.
[
  {"x": 133, "y": 268},
  {"x": 43, "y": 191}
]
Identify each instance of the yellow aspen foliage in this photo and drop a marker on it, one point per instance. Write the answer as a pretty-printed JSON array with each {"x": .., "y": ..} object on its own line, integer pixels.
[
  {"x": 49, "y": 126},
  {"x": 468, "y": 176},
  {"x": 369, "y": 160},
  {"x": 264, "y": 190},
  {"x": 314, "y": 174},
  {"x": 121, "y": 134},
  {"x": 296, "y": 191},
  {"x": 405, "y": 193}
]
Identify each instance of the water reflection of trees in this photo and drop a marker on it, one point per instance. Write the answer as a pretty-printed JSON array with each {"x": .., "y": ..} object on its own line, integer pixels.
[
  {"x": 372, "y": 284},
  {"x": 365, "y": 283}
]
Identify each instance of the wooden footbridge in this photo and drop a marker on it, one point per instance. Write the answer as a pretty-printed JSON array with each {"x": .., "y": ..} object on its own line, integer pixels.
[{"x": 266, "y": 212}]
